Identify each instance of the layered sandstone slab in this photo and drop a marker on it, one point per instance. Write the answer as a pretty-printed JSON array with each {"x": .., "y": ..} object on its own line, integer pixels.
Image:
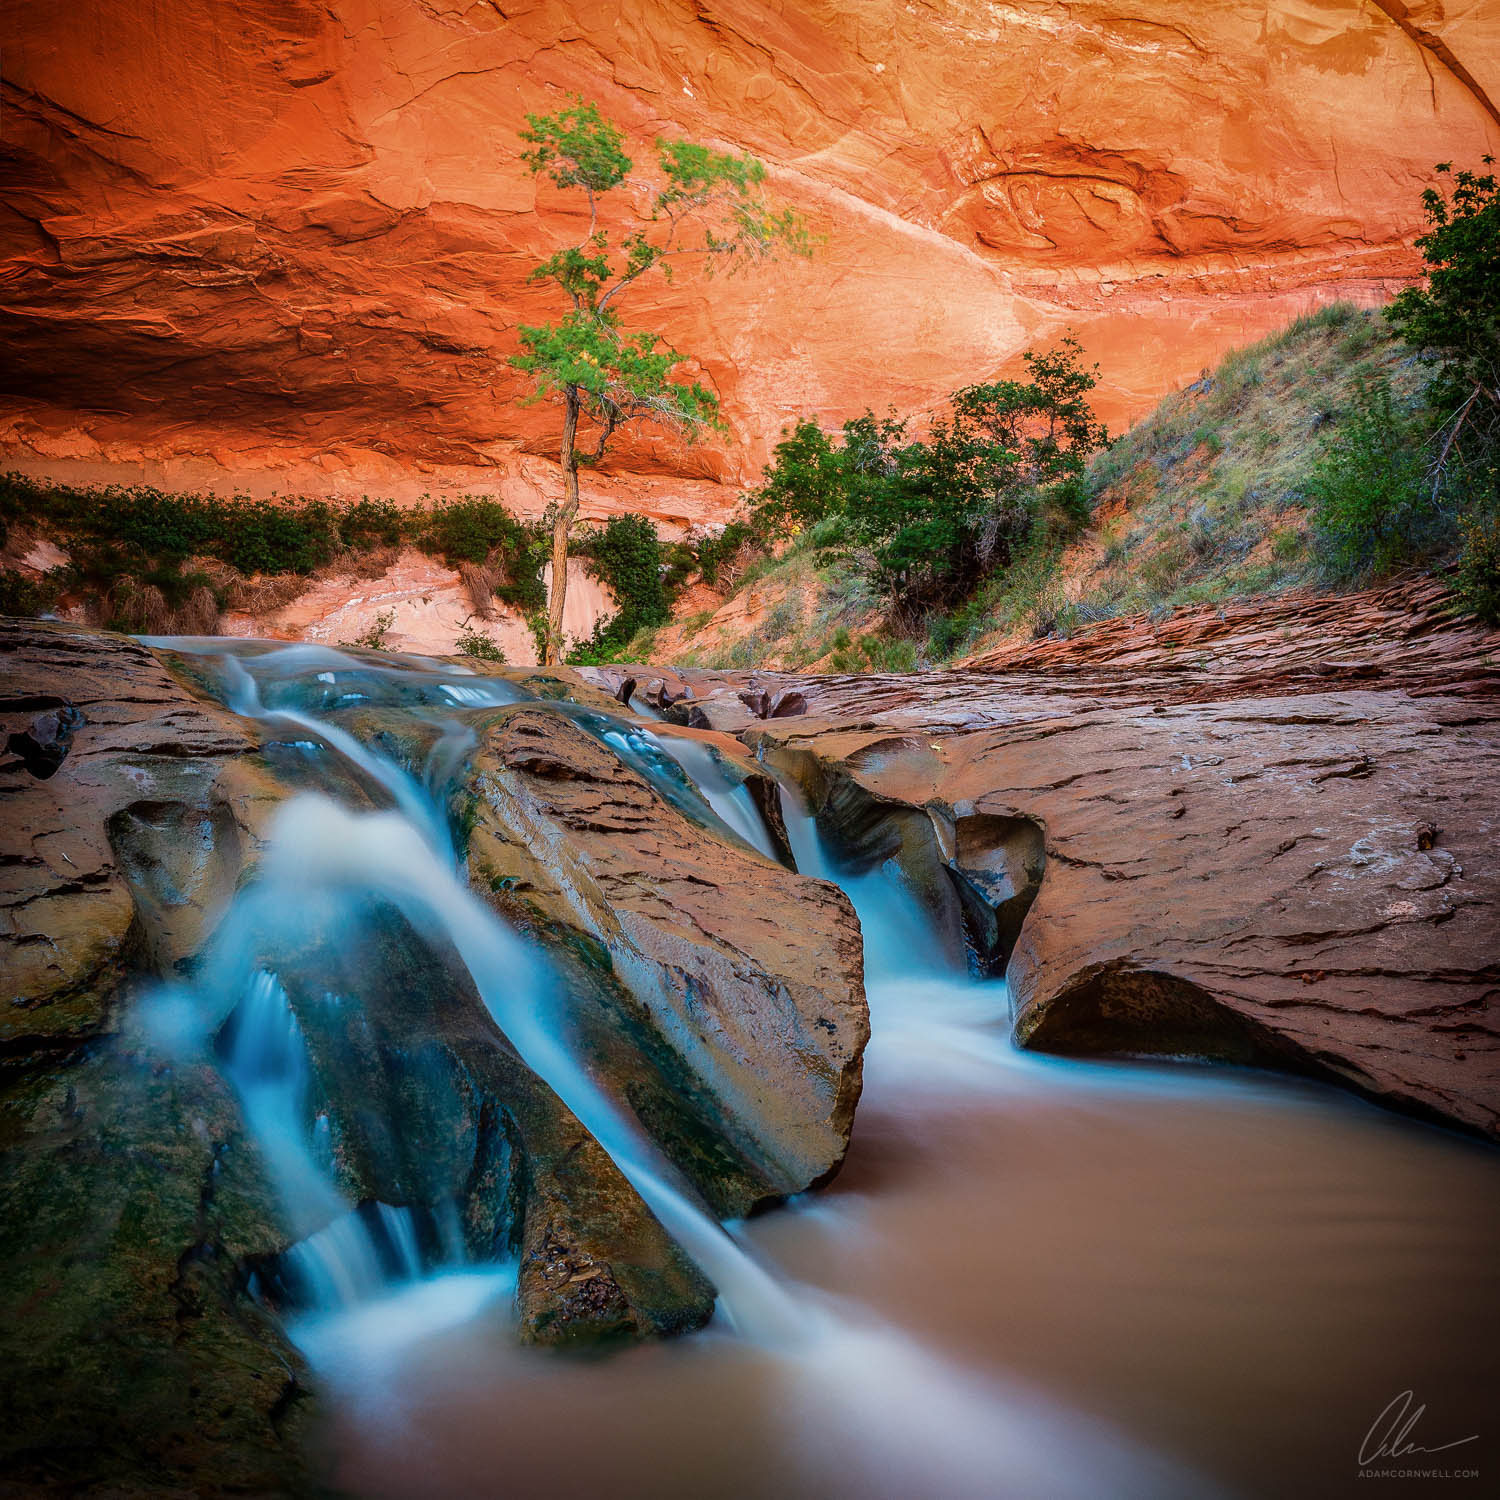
[
  {"x": 1260, "y": 834},
  {"x": 750, "y": 975},
  {"x": 288, "y": 251},
  {"x": 140, "y": 1208}
]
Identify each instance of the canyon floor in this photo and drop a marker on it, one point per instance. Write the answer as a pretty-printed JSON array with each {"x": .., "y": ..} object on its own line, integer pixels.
[{"x": 1257, "y": 837}]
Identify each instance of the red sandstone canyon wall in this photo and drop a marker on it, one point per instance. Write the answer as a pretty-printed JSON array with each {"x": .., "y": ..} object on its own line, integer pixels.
[{"x": 282, "y": 244}]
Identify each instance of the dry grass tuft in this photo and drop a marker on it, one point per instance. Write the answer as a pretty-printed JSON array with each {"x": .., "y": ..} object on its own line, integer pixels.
[
  {"x": 199, "y": 615},
  {"x": 479, "y": 582},
  {"x": 140, "y": 610},
  {"x": 263, "y": 596},
  {"x": 373, "y": 563}
]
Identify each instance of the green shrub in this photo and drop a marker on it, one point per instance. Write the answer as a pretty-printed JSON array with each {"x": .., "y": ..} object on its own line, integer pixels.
[
  {"x": 482, "y": 531},
  {"x": 1370, "y": 509},
  {"x": 936, "y": 514},
  {"x": 626, "y": 556},
  {"x": 714, "y": 551},
  {"x": 949, "y": 632},
  {"x": 374, "y": 637},
  {"x": 20, "y": 595},
  {"x": 679, "y": 563},
  {"x": 131, "y": 539},
  {"x": 367, "y": 524},
  {"x": 952, "y": 507},
  {"x": 1454, "y": 321},
  {"x": 1479, "y": 565},
  {"x": 471, "y": 643},
  {"x": 871, "y": 653},
  {"x": 274, "y": 536},
  {"x": 805, "y": 480}
]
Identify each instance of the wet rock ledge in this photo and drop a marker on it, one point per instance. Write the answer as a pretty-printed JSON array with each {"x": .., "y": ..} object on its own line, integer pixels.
[
  {"x": 717, "y": 994},
  {"x": 1288, "y": 874}
]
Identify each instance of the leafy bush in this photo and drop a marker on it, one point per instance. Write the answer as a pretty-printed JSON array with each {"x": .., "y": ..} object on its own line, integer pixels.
[
  {"x": 713, "y": 552},
  {"x": 1370, "y": 509},
  {"x": 1479, "y": 567},
  {"x": 471, "y": 643},
  {"x": 967, "y": 499},
  {"x": 626, "y": 556},
  {"x": 368, "y": 524},
  {"x": 20, "y": 595},
  {"x": 273, "y": 536},
  {"x": 872, "y": 653},
  {"x": 483, "y": 533},
  {"x": 469, "y": 529},
  {"x": 1455, "y": 319},
  {"x": 949, "y": 632},
  {"x": 936, "y": 514},
  {"x": 805, "y": 480},
  {"x": 127, "y": 540},
  {"x": 1454, "y": 324}
]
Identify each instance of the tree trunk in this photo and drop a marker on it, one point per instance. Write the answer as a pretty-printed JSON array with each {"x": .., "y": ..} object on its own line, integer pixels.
[{"x": 562, "y": 524}]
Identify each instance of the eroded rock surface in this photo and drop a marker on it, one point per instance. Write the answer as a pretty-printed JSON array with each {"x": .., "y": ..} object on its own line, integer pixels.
[
  {"x": 749, "y": 974},
  {"x": 129, "y": 1352},
  {"x": 138, "y": 1204},
  {"x": 1265, "y": 833},
  {"x": 125, "y": 848},
  {"x": 290, "y": 253}
]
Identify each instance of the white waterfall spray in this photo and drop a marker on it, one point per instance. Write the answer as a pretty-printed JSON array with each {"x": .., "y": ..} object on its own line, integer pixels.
[
  {"x": 731, "y": 800},
  {"x": 860, "y": 1396},
  {"x": 315, "y": 843}
]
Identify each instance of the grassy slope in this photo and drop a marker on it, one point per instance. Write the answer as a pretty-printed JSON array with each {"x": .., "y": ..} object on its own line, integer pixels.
[{"x": 1201, "y": 502}]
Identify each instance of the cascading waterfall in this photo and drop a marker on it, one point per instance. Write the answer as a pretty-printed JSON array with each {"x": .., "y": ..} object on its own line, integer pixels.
[
  {"x": 405, "y": 857},
  {"x": 336, "y": 1261},
  {"x": 923, "y": 1010},
  {"x": 315, "y": 843},
  {"x": 898, "y": 1415},
  {"x": 266, "y": 1062},
  {"x": 731, "y": 800}
]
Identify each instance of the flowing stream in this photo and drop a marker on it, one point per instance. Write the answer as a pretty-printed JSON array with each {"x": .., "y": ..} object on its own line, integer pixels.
[{"x": 1033, "y": 1278}]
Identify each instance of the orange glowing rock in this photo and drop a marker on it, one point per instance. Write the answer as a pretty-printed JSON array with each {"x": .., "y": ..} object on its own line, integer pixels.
[{"x": 283, "y": 245}]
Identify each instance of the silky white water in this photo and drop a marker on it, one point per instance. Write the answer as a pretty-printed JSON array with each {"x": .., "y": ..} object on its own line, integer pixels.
[{"x": 1034, "y": 1277}]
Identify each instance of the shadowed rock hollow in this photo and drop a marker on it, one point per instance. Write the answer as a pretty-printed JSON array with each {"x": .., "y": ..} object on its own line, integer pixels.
[{"x": 291, "y": 254}]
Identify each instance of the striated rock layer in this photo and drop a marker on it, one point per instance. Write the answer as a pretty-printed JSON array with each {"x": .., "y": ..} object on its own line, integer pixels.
[
  {"x": 1263, "y": 835},
  {"x": 288, "y": 250}
]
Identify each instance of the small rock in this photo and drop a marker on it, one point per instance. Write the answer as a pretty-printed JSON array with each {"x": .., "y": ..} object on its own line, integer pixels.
[{"x": 44, "y": 747}]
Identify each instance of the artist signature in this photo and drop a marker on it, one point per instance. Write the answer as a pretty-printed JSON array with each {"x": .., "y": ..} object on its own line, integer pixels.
[{"x": 1390, "y": 1432}]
